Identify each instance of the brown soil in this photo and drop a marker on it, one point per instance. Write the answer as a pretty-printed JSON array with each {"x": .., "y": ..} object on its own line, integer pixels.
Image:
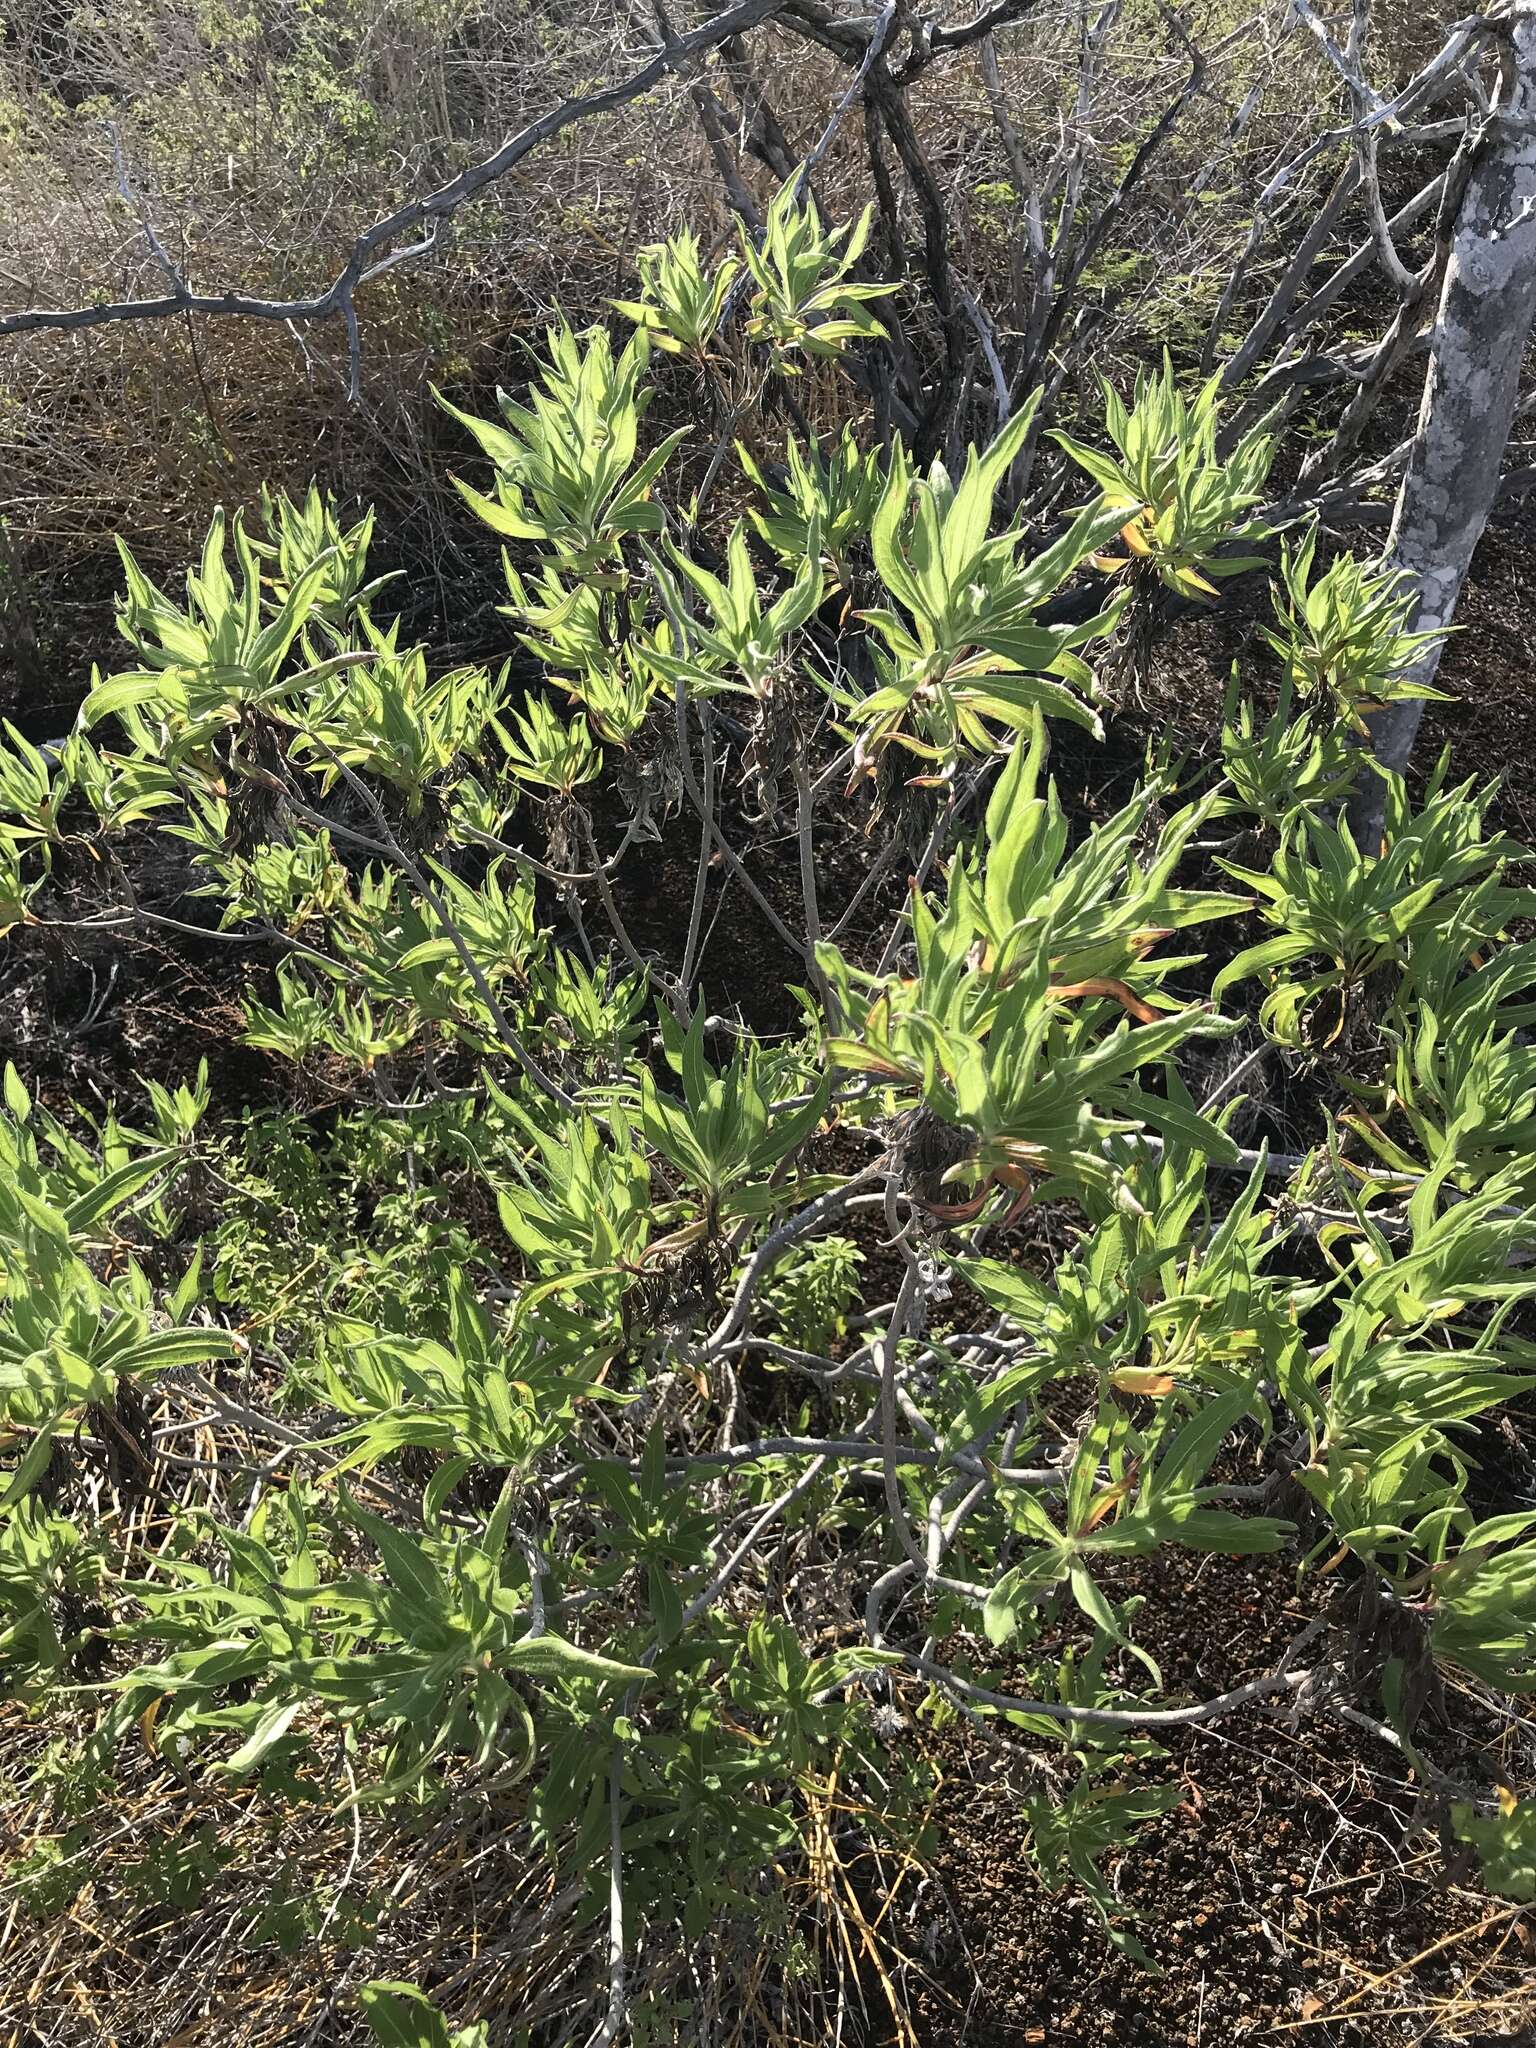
[
  {"x": 1487, "y": 668},
  {"x": 1298, "y": 1893}
]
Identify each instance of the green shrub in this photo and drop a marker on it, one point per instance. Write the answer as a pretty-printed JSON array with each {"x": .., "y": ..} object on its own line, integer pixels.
[{"x": 507, "y": 1514}]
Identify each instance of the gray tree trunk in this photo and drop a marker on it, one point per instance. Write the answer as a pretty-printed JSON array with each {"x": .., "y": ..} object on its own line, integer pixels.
[{"x": 1486, "y": 308}]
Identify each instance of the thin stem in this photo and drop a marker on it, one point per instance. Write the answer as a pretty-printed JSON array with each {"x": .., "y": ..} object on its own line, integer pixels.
[
  {"x": 701, "y": 873},
  {"x": 804, "y": 818},
  {"x": 888, "y": 1351},
  {"x": 1270, "y": 1687},
  {"x": 774, "y": 1246}
]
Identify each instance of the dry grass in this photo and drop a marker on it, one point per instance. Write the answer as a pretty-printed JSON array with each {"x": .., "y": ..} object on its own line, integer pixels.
[
  {"x": 181, "y": 1916},
  {"x": 263, "y": 1941}
]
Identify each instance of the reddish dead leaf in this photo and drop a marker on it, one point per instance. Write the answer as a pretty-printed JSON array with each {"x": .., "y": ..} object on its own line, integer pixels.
[{"x": 1102, "y": 985}]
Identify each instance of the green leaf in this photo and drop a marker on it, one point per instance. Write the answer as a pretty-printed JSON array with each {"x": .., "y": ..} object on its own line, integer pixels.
[
  {"x": 273, "y": 1725},
  {"x": 401, "y": 2016},
  {"x": 550, "y": 1656},
  {"x": 113, "y": 1189},
  {"x": 17, "y": 1100},
  {"x": 411, "y": 1572},
  {"x": 34, "y": 1463}
]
